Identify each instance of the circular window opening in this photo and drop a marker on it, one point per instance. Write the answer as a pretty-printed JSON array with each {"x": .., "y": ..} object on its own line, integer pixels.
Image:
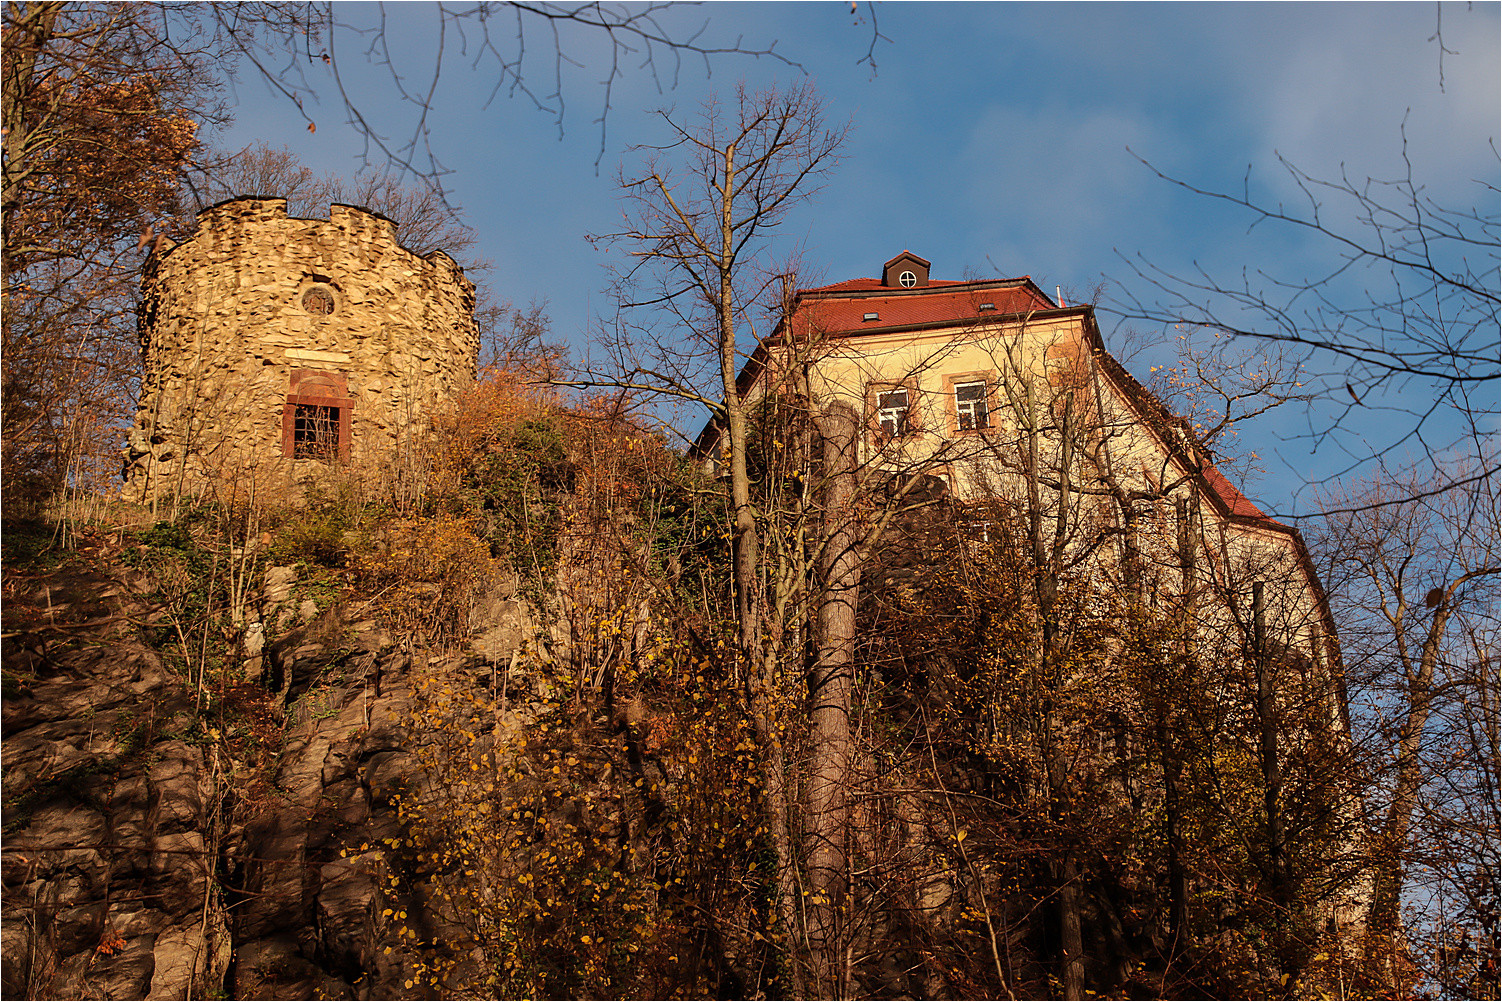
[
  {"x": 318, "y": 301},
  {"x": 908, "y": 279}
]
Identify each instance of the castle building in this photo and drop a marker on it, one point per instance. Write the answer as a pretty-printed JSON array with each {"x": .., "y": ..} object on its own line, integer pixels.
[
  {"x": 274, "y": 347},
  {"x": 975, "y": 386}
]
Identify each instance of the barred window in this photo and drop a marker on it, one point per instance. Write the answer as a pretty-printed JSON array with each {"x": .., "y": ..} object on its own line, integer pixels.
[
  {"x": 316, "y": 416},
  {"x": 315, "y": 432}
]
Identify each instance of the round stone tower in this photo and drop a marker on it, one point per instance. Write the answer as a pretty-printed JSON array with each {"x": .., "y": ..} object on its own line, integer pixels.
[{"x": 275, "y": 346}]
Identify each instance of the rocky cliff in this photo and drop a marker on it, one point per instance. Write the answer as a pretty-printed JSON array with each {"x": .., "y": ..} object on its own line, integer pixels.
[{"x": 166, "y": 842}]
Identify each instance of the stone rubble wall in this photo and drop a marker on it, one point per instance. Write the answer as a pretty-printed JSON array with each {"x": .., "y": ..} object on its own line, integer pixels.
[{"x": 223, "y": 327}]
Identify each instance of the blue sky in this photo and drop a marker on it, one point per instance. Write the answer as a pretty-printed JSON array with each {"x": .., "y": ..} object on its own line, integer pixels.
[{"x": 991, "y": 138}]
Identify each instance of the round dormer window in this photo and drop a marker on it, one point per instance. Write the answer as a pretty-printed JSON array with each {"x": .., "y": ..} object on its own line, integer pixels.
[
  {"x": 319, "y": 301},
  {"x": 907, "y": 279}
]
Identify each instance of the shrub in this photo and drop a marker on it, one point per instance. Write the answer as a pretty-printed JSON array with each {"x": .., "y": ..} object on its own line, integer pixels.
[
  {"x": 426, "y": 574},
  {"x": 314, "y": 532},
  {"x": 576, "y": 861}
]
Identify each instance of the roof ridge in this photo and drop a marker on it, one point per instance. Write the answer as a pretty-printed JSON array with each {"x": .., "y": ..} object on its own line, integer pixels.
[{"x": 854, "y": 286}]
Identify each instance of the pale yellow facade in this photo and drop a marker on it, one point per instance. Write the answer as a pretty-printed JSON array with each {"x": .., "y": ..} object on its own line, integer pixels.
[
  {"x": 994, "y": 403},
  {"x": 1047, "y": 370}
]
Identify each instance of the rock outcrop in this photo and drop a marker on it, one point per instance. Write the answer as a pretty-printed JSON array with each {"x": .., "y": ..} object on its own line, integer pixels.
[
  {"x": 147, "y": 854},
  {"x": 112, "y": 819}
]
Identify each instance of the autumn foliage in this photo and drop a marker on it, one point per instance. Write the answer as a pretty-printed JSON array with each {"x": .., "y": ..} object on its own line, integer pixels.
[{"x": 96, "y": 141}]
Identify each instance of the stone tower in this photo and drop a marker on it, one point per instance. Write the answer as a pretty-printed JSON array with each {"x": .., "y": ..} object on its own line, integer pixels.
[{"x": 276, "y": 346}]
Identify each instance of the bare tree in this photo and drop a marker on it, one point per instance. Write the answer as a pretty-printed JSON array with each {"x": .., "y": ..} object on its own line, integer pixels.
[
  {"x": 1416, "y": 584},
  {"x": 497, "y": 40},
  {"x": 806, "y": 497},
  {"x": 423, "y": 222},
  {"x": 702, "y": 208},
  {"x": 1401, "y": 321},
  {"x": 1397, "y": 337}
]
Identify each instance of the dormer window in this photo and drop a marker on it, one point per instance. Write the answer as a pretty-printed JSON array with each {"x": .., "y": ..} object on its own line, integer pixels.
[{"x": 907, "y": 271}]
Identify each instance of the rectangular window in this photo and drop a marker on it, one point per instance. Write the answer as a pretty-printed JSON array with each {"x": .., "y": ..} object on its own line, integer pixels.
[
  {"x": 315, "y": 432},
  {"x": 892, "y": 410},
  {"x": 970, "y": 406}
]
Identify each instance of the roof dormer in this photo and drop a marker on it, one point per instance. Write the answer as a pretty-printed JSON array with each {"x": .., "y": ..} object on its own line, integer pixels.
[{"x": 905, "y": 271}]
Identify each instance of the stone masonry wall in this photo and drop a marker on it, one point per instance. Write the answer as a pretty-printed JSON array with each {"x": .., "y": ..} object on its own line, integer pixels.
[{"x": 256, "y": 305}]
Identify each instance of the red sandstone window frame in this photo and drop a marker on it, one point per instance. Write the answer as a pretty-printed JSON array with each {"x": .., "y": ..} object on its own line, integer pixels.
[{"x": 316, "y": 388}]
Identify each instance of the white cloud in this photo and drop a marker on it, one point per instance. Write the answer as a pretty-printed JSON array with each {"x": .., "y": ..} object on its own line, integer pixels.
[{"x": 1340, "y": 94}]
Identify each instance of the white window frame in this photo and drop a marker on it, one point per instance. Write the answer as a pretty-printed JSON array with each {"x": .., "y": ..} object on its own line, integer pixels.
[
  {"x": 898, "y": 415},
  {"x": 975, "y": 411}
]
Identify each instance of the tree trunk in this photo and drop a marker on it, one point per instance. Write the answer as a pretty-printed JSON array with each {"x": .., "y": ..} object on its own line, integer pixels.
[
  {"x": 1382, "y": 916},
  {"x": 1277, "y": 874},
  {"x": 1173, "y": 765},
  {"x": 758, "y": 663},
  {"x": 774, "y": 806},
  {"x": 33, "y": 25},
  {"x": 1067, "y": 875},
  {"x": 1047, "y": 554},
  {"x": 830, "y": 684}
]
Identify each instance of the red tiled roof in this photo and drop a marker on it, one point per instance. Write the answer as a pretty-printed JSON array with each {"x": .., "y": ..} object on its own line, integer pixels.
[
  {"x": 873, "y": 285},
  {"x": 1233, "y": 499},
  {"x": 833, "y": 310},
  {"x": 925, "y": 262},
  {"x": 834, "y": 315}
]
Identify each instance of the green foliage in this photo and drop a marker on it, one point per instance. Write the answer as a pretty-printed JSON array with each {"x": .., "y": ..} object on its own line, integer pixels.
[
  {"x": 166, "y": 536},
  {"x": 314, "y": 533},
  {"x": 684, "y": 515},
  {"x": 183, "y": 571},
  {"x": 323, "y": 585},
  {"x": 29, "y": 544},
  {"x": 11, "y": 683},
  {"x": 518, "y": 482}
]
